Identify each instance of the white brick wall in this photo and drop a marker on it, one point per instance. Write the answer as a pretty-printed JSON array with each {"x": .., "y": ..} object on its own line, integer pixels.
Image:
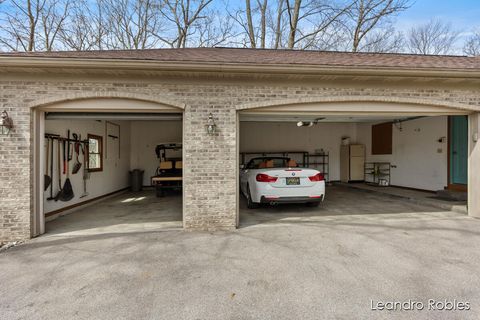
[{"x": 210, "y": 162}]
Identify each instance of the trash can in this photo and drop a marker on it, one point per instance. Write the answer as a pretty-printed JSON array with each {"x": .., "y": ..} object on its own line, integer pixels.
[{"x": 136, "y": 180}]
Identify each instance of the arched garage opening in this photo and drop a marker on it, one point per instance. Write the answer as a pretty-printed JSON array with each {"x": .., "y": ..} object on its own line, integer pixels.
[
  {"x": 98, "y": 167},
  {"x": 377, "y": 155}
]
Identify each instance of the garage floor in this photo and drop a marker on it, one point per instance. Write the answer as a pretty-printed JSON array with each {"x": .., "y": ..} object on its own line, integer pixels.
[
  {"x": 139, "y": 212},
  {"x": 127, "y": 212},
  {"x": 339, "y": 201}
]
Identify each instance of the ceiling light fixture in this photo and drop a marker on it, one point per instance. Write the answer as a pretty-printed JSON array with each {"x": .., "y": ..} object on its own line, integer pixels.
[{"x": 308, "y": 123}]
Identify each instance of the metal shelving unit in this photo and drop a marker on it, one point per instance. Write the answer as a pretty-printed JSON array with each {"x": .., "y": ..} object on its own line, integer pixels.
[
  {"x": 375, "y": 172},
  {"x": 320, "y": 162}
]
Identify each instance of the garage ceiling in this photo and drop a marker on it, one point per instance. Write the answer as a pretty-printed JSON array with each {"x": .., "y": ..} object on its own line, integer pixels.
[
  {"x": 112, "y": 116},
  {"x": 320, "y": 119}
]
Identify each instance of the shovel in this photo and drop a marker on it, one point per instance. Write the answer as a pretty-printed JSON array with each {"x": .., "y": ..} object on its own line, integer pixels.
[
  {"x": 86, "y": 174},
  {"x": 47, "y": 179},
  {"x": 67, "y": 190},
  {"x": 59, "y": 171},
  {"x": 77, "y": 165},
  {"x": 66, "y": 193}
]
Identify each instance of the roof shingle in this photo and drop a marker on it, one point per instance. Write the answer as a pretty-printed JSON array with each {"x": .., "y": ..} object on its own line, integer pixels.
[{"x": 268, "y": 57}]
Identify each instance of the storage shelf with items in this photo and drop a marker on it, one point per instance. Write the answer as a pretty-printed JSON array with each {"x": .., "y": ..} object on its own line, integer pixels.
[
  {"x": 378, "y": 173},
  {"x": 320, "y": 161}
]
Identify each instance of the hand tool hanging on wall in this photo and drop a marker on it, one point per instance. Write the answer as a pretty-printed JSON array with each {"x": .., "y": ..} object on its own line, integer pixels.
[
  {"x": 86, "y": 174},
  {"x": 67, "y": 190},
  {"x": 69, "y": 154},
  {"x": 114, "y": 137},
  {"x": 64, "y": 157},
  {"x": 51, "y": 171},
  {"x": 47, "y": 180},
  {"x": 59, "y": 169},
  {"x": 76, "y": 148}
]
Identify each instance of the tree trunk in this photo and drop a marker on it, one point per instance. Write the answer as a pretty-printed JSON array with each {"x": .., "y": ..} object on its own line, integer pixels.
[
  {"x": 293, "y": 22},
  {"x": 251, "y": 31},
  {"x": 263, "y": 23},
  {"x": 31, "y": 19},
  {"x": 278, "y": 27}
]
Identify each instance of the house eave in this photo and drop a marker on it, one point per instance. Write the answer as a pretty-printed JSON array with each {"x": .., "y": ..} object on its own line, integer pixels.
[{"x": 52, "y": 65}]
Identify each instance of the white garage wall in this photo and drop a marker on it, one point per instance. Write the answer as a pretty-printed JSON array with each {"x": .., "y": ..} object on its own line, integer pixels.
[
  {"x": 286, "y": 136},
  {"x": 146, "y": 135},
  {"x": 115, "y": 170},
  {"x": 421, "y": 161}
]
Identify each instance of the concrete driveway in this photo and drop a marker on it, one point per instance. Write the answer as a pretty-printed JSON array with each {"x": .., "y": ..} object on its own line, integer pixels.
[{"x": 327, "y": 269}]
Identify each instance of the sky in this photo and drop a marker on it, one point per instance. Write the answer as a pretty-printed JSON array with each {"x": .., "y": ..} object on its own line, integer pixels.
[{"x": 463, "y": 14}]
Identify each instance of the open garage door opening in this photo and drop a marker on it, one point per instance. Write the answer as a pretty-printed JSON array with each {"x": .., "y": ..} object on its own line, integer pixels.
[
  {"x": 369, "y": 164},
  {"x": 107, "y": 172}
]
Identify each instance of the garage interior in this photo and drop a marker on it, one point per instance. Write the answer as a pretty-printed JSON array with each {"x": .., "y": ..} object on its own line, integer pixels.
[
  {"x": 406, "y": 162},
  {"x": 104, "y": 199}
]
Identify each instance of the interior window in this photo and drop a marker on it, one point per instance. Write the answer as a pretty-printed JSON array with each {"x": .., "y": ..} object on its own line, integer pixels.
[{"x": 95, "y": 153}]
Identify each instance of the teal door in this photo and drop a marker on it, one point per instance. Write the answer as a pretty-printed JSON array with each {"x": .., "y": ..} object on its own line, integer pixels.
[{"x": 458, "y": 149}]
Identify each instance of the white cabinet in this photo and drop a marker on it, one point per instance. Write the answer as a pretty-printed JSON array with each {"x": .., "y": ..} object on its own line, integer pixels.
[{"x": 352, "y": 162}]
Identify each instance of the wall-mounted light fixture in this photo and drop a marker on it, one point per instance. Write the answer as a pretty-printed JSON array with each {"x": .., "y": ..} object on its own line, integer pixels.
[
  {"x": 211, "y": 126},
  {"x": 6, "y": 123}
]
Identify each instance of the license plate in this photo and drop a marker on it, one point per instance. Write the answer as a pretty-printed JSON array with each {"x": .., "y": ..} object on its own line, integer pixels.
[{"x": 293, "y": 181}]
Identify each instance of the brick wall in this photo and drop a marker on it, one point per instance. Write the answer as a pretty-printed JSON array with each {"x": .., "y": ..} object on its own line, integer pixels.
[{"x": 210, "y": 161}]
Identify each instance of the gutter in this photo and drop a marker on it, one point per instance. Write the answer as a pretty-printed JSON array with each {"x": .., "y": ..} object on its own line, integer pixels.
[{"x": 215, "y": 67}]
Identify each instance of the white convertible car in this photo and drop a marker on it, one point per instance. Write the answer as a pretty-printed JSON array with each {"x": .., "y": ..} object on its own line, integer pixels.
[{"x": 279, "y": 180}]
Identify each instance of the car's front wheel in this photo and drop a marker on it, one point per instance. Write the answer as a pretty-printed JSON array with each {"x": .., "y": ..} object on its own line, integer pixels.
[{"x": 250, "y": 203}]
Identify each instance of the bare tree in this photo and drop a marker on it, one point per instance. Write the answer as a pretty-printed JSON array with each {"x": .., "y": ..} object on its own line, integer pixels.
[
  {"x": 250, "y": 16},
  {"x": 288, "y": 23},
  {"x": 250, "y": 31},
  {"x": 182, "y": 16},
  {"x": 132, "y": 24},
  {"x": 310, "y": 21},
  {"x": 214, "y": 30},
  {"x": 366, "y": 16},
  {"x": 293, "y": 12},
  {"x": 32, "y": 24},
  {"x": 85, "y": 28},
  {"x": 384, "y": 40},
  {"x": 19, "y": 24},
  {"x": 53, "y": 17},
  {"x": 472, "y": 45},
  {"x": 433, "y": 37},
  {"x": 276, "y": 24}
]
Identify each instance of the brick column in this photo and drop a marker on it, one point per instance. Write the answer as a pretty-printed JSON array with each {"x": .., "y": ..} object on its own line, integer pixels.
[
  {"x": 474, "y": 165},
  {"x": 15, "y": 178},
  {"x": 209, "y": 169}
]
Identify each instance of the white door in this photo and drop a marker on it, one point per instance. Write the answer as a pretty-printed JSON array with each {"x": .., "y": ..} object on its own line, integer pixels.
[{"x": 357, "y": 167}]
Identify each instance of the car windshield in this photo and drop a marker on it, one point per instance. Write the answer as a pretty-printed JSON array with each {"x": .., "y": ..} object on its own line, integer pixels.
[{"x": 260, "y": 163}]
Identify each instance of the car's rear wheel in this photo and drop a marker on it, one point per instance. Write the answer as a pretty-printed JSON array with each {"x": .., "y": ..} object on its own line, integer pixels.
[{"x": 250, "y": 203}]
